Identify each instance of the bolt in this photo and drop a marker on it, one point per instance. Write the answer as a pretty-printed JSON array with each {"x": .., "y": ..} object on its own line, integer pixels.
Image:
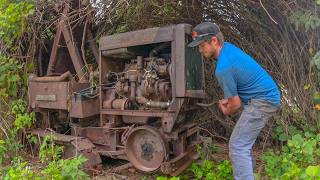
[{"x": 174, "y": 169}]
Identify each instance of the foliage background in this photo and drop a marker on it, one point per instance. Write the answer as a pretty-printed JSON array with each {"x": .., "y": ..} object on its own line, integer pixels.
[{"x": 283, "y": 36}]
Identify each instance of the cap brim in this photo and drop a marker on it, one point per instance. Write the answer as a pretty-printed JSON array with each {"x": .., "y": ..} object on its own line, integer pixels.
[{"x": 195, "y": 43}]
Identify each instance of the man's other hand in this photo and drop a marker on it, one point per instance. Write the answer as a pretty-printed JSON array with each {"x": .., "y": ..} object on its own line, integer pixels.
[{"x": 230, "y": 105}]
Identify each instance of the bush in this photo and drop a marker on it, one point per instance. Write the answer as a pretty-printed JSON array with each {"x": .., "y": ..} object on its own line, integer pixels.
[
  {"x": 19, "y": 171},
  {"x": 66, "y": 169},
  {"x": 13, "y": 18},
  {"x": 10, "y": 78},
  {"x": 298, "y": 159}
]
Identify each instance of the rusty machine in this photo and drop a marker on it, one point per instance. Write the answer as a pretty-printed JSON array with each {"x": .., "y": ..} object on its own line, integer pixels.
[{"x": 141, "y": 108}]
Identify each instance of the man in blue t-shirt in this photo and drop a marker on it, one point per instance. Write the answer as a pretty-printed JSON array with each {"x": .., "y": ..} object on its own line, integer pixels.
[{"x": 245, "y": 82}]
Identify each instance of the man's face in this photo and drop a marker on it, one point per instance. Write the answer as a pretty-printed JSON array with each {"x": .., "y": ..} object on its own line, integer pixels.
[{"x": 208, "y": 48}]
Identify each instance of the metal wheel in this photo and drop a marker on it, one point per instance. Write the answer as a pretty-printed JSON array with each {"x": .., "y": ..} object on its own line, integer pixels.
[{"x": 146, "y": 149}]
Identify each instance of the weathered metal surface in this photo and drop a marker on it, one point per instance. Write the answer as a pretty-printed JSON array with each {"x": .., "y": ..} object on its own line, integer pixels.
[
  {"x": 74, "y": 52},
  {"x": 184, "y": 153},
  {"x": 149, "y": 113},
  {"x": 169, "y": 121},
  {"x": 146, "y": 148},
  {"x": 63, "y": 77},
  {"x": 179, "y": 60},
  {"x": 54, "y": 51},
  {"x": 121, "y": 168},
  {"x": 188, "y": 62},
  {"x": 136, "y": 119},
  {"x": 140, "y": 37},
  {"x": 118, "y": 154},
  {"x": 82, "y": 108},
  {"x": 94, "y": 134},
  {"x": 46, "y": 98},
  {"x": 177, "y": 165},
  {"x": 52, "y": 95}
]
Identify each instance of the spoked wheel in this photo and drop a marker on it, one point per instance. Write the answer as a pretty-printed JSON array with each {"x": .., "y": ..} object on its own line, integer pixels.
[{"x": 146, "y": 149}]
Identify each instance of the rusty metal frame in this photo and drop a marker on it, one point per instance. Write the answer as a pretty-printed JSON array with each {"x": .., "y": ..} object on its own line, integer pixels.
[{"x": 63, "y": 31}]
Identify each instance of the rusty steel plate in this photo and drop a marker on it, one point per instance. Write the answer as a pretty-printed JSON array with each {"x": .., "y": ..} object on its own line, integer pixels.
[
  {"x": 146, "y": 149},
  {"x": 50, "y": 95}
]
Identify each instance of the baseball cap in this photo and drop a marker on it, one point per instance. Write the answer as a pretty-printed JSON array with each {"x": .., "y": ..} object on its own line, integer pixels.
[{"x": 202, "y": 32}]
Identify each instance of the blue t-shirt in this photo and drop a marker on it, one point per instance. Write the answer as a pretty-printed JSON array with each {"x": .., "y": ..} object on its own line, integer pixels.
[{"x": 239, "y": 74}]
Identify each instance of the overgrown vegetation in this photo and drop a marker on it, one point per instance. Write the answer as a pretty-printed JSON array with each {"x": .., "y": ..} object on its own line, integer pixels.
[
  {"x": 15, "y": 119},
  {"x": 13, "y": 16},
  {"x": 284, "y": 36},
  {"x": 51, "y": 164},
  {"x": 299, "y": 158},
  {"x": 205, "y": 168},
  {"x": 56, "y": 168},
  {"x": 10, "y": 79}
]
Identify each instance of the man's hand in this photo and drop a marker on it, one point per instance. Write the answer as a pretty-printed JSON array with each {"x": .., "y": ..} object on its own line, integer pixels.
[
  {"x": 223, "y": 104},
  {"x": 230, "y": 105}
]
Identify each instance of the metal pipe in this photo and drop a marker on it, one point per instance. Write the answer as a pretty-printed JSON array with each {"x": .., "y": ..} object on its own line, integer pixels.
[
  {"x": 140, "y": 99},
  {"x": 140, "y": 63},
  {"x": 140, "y": 66},
  {"x": 133, "y": 91},
  {"x": 133, "y": 79},
  {"x": 157, "y": 104}
]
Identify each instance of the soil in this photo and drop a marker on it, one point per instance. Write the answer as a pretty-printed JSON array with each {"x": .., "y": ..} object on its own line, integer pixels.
[{"x": 128, "y": 172}]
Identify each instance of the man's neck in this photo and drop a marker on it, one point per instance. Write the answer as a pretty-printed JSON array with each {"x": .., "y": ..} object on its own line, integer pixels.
[{"x": 218, "y": 51}]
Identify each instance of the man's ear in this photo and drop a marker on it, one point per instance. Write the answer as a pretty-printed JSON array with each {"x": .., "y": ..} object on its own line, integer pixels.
[{"x": 214, "y": 40}]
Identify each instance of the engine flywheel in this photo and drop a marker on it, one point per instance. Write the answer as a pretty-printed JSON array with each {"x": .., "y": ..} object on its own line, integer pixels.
[{"x": 146, "y": 149}]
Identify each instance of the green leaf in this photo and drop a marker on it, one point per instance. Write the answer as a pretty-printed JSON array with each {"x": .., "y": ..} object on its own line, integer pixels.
[
  {"x": 210, "y": 176},
  {"x": 307, "y": 134},
  {"x": 297, "y": 139},
  {"x": 174, "y": 178},
  {"x": 313, "y": 171},
  {"x": 308, "y": 147},
  {"x": 279, "y": 129},
  {"x": 162, "y": 178},
  {"x": 283, "y": 137},
  {"x": 208, "y": 165}
]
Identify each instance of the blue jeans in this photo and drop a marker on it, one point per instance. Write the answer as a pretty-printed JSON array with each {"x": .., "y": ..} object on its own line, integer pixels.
[{"x": 253, "y": 118}]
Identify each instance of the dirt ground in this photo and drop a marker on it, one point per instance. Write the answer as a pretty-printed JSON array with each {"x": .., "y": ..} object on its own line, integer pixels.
[{"x": 127, "y": 172}]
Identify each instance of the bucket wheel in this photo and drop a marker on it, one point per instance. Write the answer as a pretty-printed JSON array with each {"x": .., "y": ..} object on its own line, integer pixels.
[{"x": 146, "y": 149}]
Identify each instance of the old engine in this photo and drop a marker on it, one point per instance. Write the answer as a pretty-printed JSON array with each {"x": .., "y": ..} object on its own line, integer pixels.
[{"x": 141, "y": 109}]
